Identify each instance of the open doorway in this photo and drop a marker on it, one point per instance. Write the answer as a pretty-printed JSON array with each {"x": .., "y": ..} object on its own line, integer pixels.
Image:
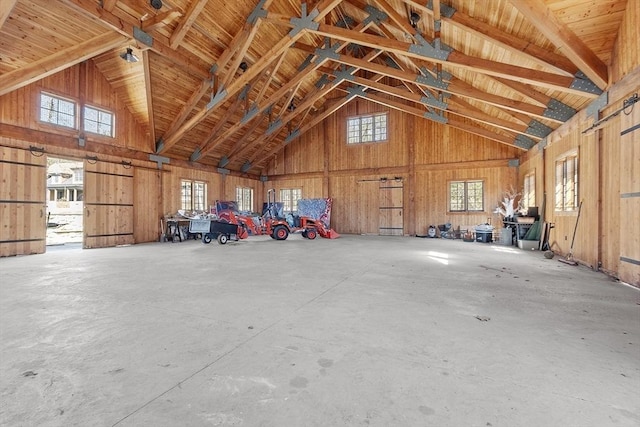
[{"x": 65, "y": 195}]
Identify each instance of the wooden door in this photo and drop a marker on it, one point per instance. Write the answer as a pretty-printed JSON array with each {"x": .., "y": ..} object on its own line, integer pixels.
[
  {"x": 23, "y": 179},
  {"x": 108, "y": 204},
  {"x": 148, "y": 205},
  {"x": 630, "y": 197},
  {"x": 391, "y": 208}
]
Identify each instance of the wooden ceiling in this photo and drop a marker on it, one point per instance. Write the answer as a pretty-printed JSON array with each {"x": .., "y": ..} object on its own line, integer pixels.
[{"x": 509, "y": 70}]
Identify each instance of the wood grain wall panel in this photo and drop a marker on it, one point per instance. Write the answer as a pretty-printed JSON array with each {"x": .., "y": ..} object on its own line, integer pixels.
[
  {"x": 610, "y": 196},
  {"x": 22, "y": 202},
  {"x": 171, "y": 186},
  {"x": 147, "y": 205}
]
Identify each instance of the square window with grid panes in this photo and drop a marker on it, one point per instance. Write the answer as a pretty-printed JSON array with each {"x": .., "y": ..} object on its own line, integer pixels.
[
  {"x": 370, "y": 128},
  {"x": 289, "y": 198},
  {"x": 466, "y": 196},
  {"x": 98, "y": 121},
  {"x": 244, "y": 199},
  {"x": 566, "y": 197},
  {"x": 57, "y": 111}
]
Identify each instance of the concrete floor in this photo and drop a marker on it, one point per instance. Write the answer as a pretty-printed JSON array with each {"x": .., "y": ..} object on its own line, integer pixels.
[{"x": 379, "y": 331}]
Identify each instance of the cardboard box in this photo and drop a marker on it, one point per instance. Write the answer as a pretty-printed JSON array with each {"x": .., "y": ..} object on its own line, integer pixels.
[{"x": 528, "y": 245}]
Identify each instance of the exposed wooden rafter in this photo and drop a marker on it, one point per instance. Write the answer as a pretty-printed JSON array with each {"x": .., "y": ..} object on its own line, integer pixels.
[
  {"x": 149, "y": 93},
  {"x": 185, "y": 24},
  {"x": 6, "y": 7},
  {"x": 160, "y": 20}
]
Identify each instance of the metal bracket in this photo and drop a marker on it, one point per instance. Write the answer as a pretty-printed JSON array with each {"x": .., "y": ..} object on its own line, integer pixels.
[
  {"x": 524, "y": 142},
  {"x": 274, "y": 126},
  {"x": 391, "y": 63},
  {"x": 329, "y": 52},
  {"x": 356, "y": 91},
  {"x": 428, "y": 80},
  {"x": 222, "y": 94},
  {"x": 264, "y": 178},
  {"x": 542, "y": 144},
  {"x": 538, "y": 129},
  {"x": 224, "y": 161},
  {"x": 323, "y": 80},
  {"x": 213, "y": 69},
  {"x": 514, "y": 163},
  {"x": 432, "y": 101},
  {"x": 446, "y": 11},
  {"x": 142, "y": 37},
  {"x": 195, "y": 155},
  {"x": 345, "y": 21},
  {"x": 558, "y": 110},
  {"x": 224, "y": 171},
  {"x": 343, "y": 74},
  {"x": 159, "y": 145},
  {"x": 305, "y": 22},
  {"x": 293, "y": 135},
  {"x": 376, "y": 16},
  {"x": 436, "y": 51},
  {"x": 306, "y": 62},
  {"x": 436, "y": 116},
  {"x": 437, "y": 25},
  {"x": 159, "y": 160},
  {"x": 250, "y": 114},
  {"x": 245, "y": 166},
  {"x": 258, "y": 12},
  {"x": 244, "y": 92},
  {"x": 582, "y": 83},
  {"x": 598, "y": 104}
]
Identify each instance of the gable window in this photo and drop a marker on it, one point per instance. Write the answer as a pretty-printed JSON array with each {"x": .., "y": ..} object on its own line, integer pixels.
[
  {"x": 57, "y": 111},
  {"x": 193, "y": 195},
  {"x": 567, "y": 182},
  {"x": 466, "y": 196},
  {"x": 98, "y": 121},
  {"x": 371, "y": 128},
  {"x": 289, "y": 197},
  {"x": 244, "y": 198},
  {"x": 529, "y": 193}
]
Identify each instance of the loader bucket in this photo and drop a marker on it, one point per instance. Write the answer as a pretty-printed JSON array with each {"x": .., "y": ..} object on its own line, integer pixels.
[{"x": 331, "y": 234}]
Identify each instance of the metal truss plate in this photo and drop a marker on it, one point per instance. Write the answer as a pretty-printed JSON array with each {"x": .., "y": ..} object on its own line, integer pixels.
[
  {"x": 222, "y": 94},
  {"x": 195, "y": 155},
  {"x": 343, "y": 74},
  {"x": 274, "y": 126},
  {"x": 431, "y": 101},
  {"x": 305, "y": 22},
  {"x": 524, "y": 142},
  {"x": 293, "y": 135},
  {"x": 159, "y": 145},
  {"x": 356, "y": 91},
  {"x": 436, "y": 117},
  {"x": 250, "y": 114},
  {"x": 514, "y": 163},
  {"x": 345, "y": 21},
  {"x": 558, "y": 111},
  {"x": 376, "y": 16},
  {"x": 582, "y": 83},
  {"x": 428, "y": 80},
  {"x": 424, "y": 48},
  {"x": 538, "y": 129},
  {"x": 446, "y": 11},
  {"x": 306, "y": 62},
  {"x": 224, "y": 161},
  {"x": 323, "y": 80},
  {"x": 329, "y": 52},
  {"x": 142, "y": 37},
  {"x": 257, "y": 13},
  {"x": 245, "y": 167},
  {"x": 160, "y": 160},
  {"x": 597, "y": 105}
]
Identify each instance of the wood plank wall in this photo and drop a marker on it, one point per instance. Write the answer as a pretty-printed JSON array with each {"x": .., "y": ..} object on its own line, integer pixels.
[{"x": 423, "y": 154}]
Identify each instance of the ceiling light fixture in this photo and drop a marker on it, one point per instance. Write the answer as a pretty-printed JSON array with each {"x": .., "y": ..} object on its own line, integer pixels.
[
  {"x": 414, "y": 17},
  {"x": 129, "y": 56},
  {"x": 156, "y": 4},
  {"x": 243, "y": 66}
]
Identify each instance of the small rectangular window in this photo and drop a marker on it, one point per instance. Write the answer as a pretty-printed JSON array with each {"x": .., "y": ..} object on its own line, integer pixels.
[
  {"x": 529, "y": 193},
  {"x": 289, "y": 197},
  {"x": 371, "y": 128},
  {"x": 193, "y": 195},
  {"x": 98, "y": 121},
  {"x": 466, "y": 196},
  {"x": 244, "y": 198},
  {"x": 57, "y": 111},
  {"x": 567, "y": 183}
]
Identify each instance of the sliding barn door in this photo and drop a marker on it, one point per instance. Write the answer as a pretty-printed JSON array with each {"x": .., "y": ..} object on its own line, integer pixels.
[
  {"x": 23, "y": 178},
  {"x": 391, "y": 208},
  {"x": 108, "y": 205},
  {"x": 630, "y": 197}
]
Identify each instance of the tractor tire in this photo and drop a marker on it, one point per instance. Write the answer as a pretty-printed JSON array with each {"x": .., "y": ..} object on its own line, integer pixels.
[
  {"x": 206, "y": 238},
  {"x": 281, "y": 232},
  {"x": 311, "y": 234},
  {"x": 304, "y": 233},
  {"x": 223, "y": 239}
]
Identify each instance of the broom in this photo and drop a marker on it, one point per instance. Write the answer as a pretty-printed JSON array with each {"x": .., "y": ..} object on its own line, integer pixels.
[{"x": 569, "y": 258}]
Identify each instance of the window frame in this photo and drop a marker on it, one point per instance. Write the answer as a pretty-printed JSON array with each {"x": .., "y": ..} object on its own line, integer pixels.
[
  {"x": 464, "y": 198},
  {"x": 529, "y": 190},
  {"x": 241, "y": 195},
  {"x": 290, "y": 202},
  {"x": 99, "y": 110},
  {"x": 188, "y": 202},
  {"x": 567, "y": 182},
  {"x": 356, "y": 136},
  {"x": 58, "y": 98}
]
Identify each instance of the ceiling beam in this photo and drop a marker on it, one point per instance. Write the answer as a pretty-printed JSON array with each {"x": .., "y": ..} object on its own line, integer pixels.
[
  {"x": 545, "y": 21},
  {"x": 149, "y": 95},
  {"x": 324, "y": 7},
  {"x": 59, "y": 61},
  {"x": 109, "y": 5},
  {"x": 484, "y": 66},
  {"x": 6, "y": 7},
  {"x": 160, "y": 20},
  {"x": 185, "y": 24},
  {"x": 494, "y": 35}
]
